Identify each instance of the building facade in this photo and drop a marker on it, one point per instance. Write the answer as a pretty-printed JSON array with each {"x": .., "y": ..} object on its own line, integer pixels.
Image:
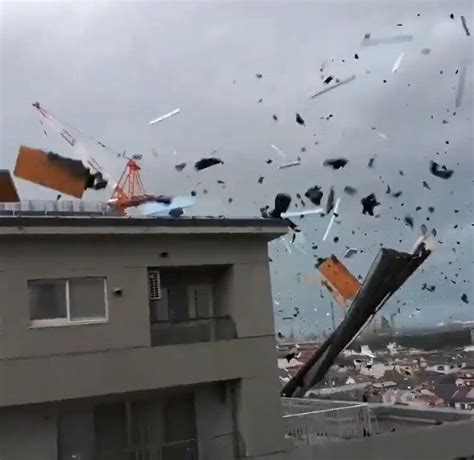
[{"x": 137, "y": 339}]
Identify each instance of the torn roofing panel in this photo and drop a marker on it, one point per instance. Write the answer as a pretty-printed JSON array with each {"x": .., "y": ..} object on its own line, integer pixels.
[
  {"x": 338, "y": 279},
  {"x": 8, "y": 193},
  {"x": 387, "y": 274},
  {"x": 53, "y": 171}
]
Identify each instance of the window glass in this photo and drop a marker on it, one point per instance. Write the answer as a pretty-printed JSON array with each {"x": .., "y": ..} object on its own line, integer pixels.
[
  {"x": 87, "y": 298},
  {"x": 47, "y": 299}
]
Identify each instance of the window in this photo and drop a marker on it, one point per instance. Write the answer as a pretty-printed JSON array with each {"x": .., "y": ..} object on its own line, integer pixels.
[
  {"x": 67, "y": 301},
  {"x": 183, "y": 303}
]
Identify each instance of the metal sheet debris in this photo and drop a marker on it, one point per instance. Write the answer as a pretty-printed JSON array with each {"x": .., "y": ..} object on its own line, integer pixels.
[
  {"x": 205, "y": 163},
  {"x": 306, "y": 212},
  {"x": 330, "y": 88},
  {"x": 289, "y": 165},
  {"x": 8, "y": 193},
  {"x": 165, "y": 116},
  {"x": 398, "y": 62},
  {"x": 379, "y": 285},
  {"x": 278, "y": 150},
  {"x": 333, "y": 218},
  {"x": 342, "y": 284},
  {"x": 464, "y": 25},
  {"x": 56, "y": 172}
]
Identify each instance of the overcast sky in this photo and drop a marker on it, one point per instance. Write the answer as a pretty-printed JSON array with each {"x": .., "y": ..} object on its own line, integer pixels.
[{"x": 108, "y": 68}]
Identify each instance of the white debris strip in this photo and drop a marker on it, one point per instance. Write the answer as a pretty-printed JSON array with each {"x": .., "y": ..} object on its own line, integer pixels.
[
  {"x": 306, "y": 212},
  {"x": 165, "y": 116},
  {"x": 367, "y": 41},
  {"x": 325, "y": 90},
  {"x": 461, "y": 85},
  {"x": 398, "y": 62},
  {"x": 278, "y": 150},
  {"x": 382, "y": 135},
  {"x": 333, "y": 217},
  {"x": 289, "y": 165}
]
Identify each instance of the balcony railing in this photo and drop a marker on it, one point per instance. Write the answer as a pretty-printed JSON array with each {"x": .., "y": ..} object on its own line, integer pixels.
[
  {"x": 180, "y": 450},
  {"x": 193, "y": 331},
  {"x": 54, "y": 207},
  {"x": 310, "y": 421}
]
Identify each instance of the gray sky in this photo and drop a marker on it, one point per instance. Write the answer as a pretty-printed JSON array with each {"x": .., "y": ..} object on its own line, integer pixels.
[{"x": 110, "y": 67}]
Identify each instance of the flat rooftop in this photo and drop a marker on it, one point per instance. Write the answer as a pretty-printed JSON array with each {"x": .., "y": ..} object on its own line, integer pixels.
[{"x": 25, "y": 224}]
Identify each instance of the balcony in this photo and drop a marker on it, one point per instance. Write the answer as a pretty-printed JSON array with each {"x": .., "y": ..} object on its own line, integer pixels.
[
  {"x": 311, "y": 421},
  {"x": 193, "y": 330}
]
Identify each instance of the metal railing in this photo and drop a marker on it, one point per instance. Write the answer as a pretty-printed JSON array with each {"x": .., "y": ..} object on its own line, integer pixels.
[
  {"x": 54, "y": 207},
  {"x": 179, "y": 450},
  {"x": 310, "y": 421},
  {"x": 192, "y": 331}
]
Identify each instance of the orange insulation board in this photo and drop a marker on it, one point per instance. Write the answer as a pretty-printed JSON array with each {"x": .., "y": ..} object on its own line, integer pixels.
[
  {"x": 338, "y": 279},
  {"x": 36, "y": 166},
  {"x": 8, "y": 193}
]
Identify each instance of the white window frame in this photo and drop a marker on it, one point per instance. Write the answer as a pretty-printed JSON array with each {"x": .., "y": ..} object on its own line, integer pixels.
[{"x": 55, "y": 322}]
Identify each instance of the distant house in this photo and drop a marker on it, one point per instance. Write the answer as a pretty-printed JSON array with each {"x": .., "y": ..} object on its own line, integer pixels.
[{"x": 464, "y": 398}]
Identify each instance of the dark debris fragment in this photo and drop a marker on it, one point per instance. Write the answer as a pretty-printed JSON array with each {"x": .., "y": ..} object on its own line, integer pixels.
[
  {"x": 300, "y": 120},
  {"x": 204, "y": 163},
  {"x": 180, "y": 166},
  {"x": 336, "y": 163},
  {"x": 440, "y": 171},
  {"x": 426, "y": 185},
  {"x": 409, "y": 221},
  {"x": 368, "y": 204},
  {"x": 350, "y": 190},
  {"x": 314, "y": 194}
]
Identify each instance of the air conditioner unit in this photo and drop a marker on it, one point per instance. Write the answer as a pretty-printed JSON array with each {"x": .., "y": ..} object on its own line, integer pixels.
[{"x": 154, "y": 285}]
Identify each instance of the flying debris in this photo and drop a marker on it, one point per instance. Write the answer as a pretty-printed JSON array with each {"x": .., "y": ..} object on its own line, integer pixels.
[
  {"x": 314, "y": 194},
  {"x": 370, "y": 164},
  {"x": 464, "y": 25},
  {"x": 368, "y": 41},
  {"x": 328, "y": 79},
  {"x": 440, "y": 171},
  {"x": 180, "y": 166},
  {"x": 289, "y": 165},
  {"x": 333, "y": 218},
  {"x": 204, "y": 163},
  {"x": 425, "y": 287},
  {"x": 330, "y": 88},
  {"x": 397, "y": 194},
  {"x": 350, "y": 252},
  {"x": 286, "y": 215},
  {"x": 389, "y": 190},
  {"x": 379, "y": 285},
  {"x": 282, "y": 203},
  {"x": 56, "y": 172},
  {"x": 258, "y": 75},
  {"x": 426, "y": 185},
  {"x": 278, "y": 150},
  {"x": 382, "y": 135},
  {"x": 338, "y": 280},
  {"x": 408, "y": 221},
  {"x": 165, "y": 116},
  {"x": 423, "y": 229},
  {"x": 176, "y": 212},
  {"x": 350, "y": 190},
  {"x": 426, "y": 51},
  {"x": 464, "y": 298},
  {"x": 398, "y": 62},
  {"x": 336, "y": 163},
  {"x": 368, "y": 204},
  {"x": 275, "y": 117},
  {"x": 260, "y": 179},
  {"x": 461, "y": 85},
  {"x": 8, "y": 193},
  {"x": 299, "y": 120},
  {"x": 330, "y": 201}
]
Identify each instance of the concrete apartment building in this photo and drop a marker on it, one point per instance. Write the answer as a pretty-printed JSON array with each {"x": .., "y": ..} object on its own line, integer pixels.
[
  {"x": 153, "y": 339},
  {"x": 137, "y": 339}
]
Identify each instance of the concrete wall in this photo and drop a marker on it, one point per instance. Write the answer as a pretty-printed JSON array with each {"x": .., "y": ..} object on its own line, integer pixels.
[
  {"x": 28, "y": 434},
  {"x": 124, "y": 260},
  {"x": 444, "y": 442}
]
